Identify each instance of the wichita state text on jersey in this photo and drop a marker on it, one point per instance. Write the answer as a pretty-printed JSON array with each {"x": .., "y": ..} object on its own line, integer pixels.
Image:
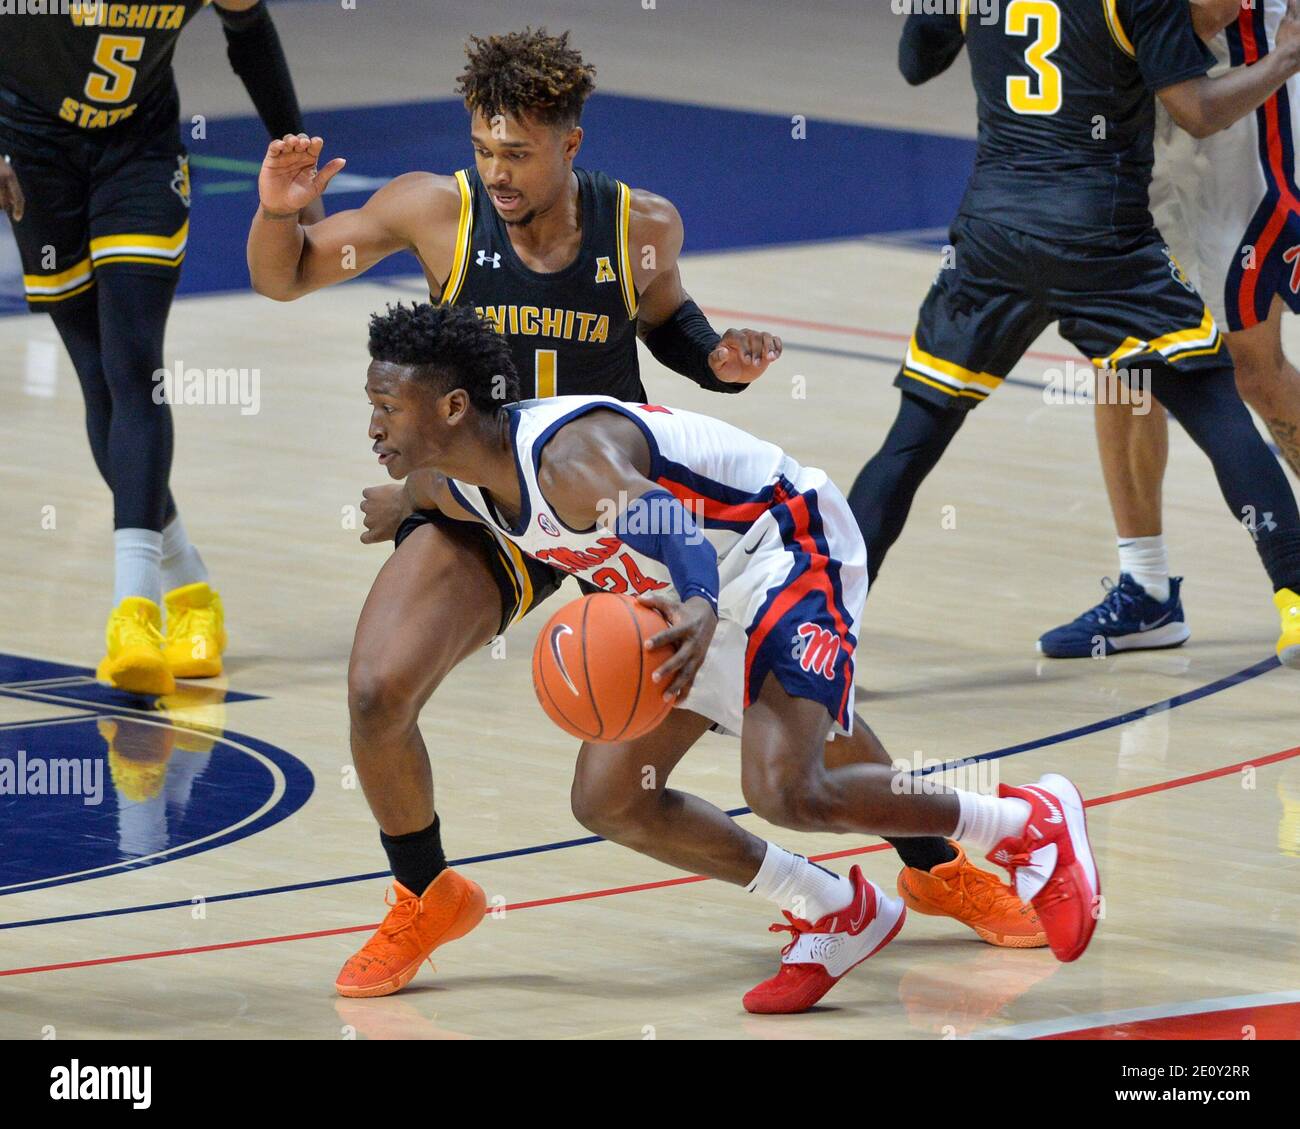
[{"x": 92, "y": 64}]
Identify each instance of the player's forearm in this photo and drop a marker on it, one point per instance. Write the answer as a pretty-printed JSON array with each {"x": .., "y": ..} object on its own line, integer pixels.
[
  {"x": 684, "y": 342},
  {"x": 275, "y": 249},
  {"x": 257, "y": 57},
  {"x": 658, "y": 526},
  {"x": 1230, "y": 97},
  {"x": 1209, "y": 17}
]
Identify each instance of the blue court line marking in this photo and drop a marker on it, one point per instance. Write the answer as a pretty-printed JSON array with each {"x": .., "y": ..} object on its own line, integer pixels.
[{"x": 1177, "y": 700}]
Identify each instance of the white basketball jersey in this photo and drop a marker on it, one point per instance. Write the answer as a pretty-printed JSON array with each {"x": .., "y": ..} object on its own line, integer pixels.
[{"x": 726, "y": 478}]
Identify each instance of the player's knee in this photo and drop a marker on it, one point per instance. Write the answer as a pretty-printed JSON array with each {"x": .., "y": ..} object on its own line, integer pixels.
[
  {"x": 380, "y": 697},
  {"x": 620, "y": 815},
  {"x": 1258, "y": 376},
  {"x": 785, "y": 797}
]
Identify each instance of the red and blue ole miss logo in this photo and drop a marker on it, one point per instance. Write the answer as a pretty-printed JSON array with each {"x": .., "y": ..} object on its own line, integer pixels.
[
  {"x": 548, "y": 526},
  {"x": 816, "y": 648}
]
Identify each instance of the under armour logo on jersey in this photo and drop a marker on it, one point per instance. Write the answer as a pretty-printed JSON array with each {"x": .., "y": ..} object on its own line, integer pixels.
[
  {"x": 605, "y": 272},
  {"x": 816, "y": 649},
  {"x": 495, "y": 259}
]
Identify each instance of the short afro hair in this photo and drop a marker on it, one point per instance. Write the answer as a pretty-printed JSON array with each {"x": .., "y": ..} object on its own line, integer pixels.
[
  {"x": 526, "y": 74},
  {"x": 449, "y": 347}
]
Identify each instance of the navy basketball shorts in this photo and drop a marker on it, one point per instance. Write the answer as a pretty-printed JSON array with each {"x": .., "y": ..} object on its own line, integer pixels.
[
  {"x": 1124, "y": 305},
  {"x": 113, "y": 200}
]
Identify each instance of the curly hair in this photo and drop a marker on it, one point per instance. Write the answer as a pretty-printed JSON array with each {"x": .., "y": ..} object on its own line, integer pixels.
[
  {"x": 449, "y": 347},
  {"x": 526, "y": 73}
]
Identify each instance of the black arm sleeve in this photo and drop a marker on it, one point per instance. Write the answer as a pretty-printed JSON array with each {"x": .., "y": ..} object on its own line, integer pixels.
[
  {"x": 929, "y": 46},
  {"x": 683, "y": 343},
  {"x": 253, "y": 47}
]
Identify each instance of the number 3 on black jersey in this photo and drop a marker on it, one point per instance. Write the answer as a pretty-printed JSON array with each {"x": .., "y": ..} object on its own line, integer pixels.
[{"x": 1042, "y": 20}]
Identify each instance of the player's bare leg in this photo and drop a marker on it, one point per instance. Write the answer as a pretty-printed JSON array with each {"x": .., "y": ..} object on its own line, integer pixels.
[
  {"x": 1268, "y": 382},
  {"x": 786, "y": 781},
  {"x": 620, "y": 792},
  {"x": 1134, "y": 450},
  {"x": 938, "y": 879},
  {"x": 433, "y": 604}
]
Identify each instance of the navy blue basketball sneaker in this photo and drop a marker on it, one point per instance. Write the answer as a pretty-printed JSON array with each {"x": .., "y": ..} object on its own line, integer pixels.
[{"x": 1126, "y": 620}]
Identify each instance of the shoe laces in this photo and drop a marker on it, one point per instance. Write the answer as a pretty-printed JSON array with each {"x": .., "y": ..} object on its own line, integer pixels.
[
  {"x": 981, "y": 889},
  {"x": 192, "y": 621},
  {"x": 137, "y": 629},
  {"x": 1117, "y": 599},
  {"x": 795, "y": 926},
  {"x": 403, "y": 914}
]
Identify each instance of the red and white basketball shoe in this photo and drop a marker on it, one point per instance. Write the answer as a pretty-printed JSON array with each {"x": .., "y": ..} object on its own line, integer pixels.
[
  {"x": 822, "y": 952},
  {"x": 1052, "y": 865}
]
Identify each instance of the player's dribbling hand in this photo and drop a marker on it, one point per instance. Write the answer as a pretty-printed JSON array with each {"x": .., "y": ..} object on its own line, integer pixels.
[
  {"x": 690, "y": 629},
  {"x": 11, "y": 192},
  {"x": 742, "y": 356},
  {"x": 384, "y": 508},
  {"x": 289, "y": 180}
]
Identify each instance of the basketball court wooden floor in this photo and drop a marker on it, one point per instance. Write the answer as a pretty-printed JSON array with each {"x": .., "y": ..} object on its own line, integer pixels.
[{"x": 232, "y": 867}]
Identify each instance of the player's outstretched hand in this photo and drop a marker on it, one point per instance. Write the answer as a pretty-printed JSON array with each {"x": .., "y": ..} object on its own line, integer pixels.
[
  {"x": 290, "y": 180},
  {"x": 11, "y": 192},
  {"x": 742, "y": 356},
  {"x": 384, "y": 508},
  {"x": 690, "y": 629}
]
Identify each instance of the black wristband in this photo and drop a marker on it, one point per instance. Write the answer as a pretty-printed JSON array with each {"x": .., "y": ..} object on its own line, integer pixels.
[
  {"x": 683, "y": 343},
  {"x": 253, "y": 47}
]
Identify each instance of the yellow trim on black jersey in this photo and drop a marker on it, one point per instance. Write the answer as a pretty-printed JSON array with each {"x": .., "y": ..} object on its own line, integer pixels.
[
  {"x": 947, "y": 376},
  {"x": 56, "y": 287},
  {"x": 1117, "y": 32},
  {"x": 963, "y": 12},
  {"x": 1203, "y": 340},
  {"x": 162, "y": 250},
  {"x": 464, "y": 233},
  {"x": 524, "y": 581},
  {"x": 624, "y": 251}
]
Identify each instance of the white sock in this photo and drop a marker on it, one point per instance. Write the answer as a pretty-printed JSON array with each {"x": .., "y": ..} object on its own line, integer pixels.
[
  {"x": 804, "y": 888},
  {"x": 1146, "y": 560},
  {"x": 137, "y": 565},
  {"x": 986, "y": 820},
  {"x": 181, "y": 563}
]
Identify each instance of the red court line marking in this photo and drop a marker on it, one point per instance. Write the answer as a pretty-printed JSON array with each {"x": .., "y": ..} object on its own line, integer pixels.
[
  {"x": 853, "y": 330},
  {"x": 1164, "y": 786}
]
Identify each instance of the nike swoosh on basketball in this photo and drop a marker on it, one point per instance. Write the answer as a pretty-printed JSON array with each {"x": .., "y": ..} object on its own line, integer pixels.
[
  {"x": 556, "y": 634},
  {"x": 1144, "y": 626}
]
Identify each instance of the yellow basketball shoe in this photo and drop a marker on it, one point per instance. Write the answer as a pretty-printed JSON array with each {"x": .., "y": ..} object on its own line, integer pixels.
[
  {"x": 135, "y": 660},
  {"x": 196, "y": 631},
  {"x": 1288, "y": 646}
]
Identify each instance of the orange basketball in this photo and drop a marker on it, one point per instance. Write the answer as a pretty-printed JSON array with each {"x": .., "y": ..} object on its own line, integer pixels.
[{"x": 591, "y": 670}]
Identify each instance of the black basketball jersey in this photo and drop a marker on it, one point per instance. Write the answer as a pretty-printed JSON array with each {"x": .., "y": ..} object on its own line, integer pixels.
[
  {"x": 1066, "y": 113},
  {"x": 572, "y": 332},
  {"x": 90, "y": 63}
]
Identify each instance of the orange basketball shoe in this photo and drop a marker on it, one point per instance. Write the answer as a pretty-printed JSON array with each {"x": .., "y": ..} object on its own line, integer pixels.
[
  {"x": 414, "y": 927},
  {"x": 961, "y": 890}
]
